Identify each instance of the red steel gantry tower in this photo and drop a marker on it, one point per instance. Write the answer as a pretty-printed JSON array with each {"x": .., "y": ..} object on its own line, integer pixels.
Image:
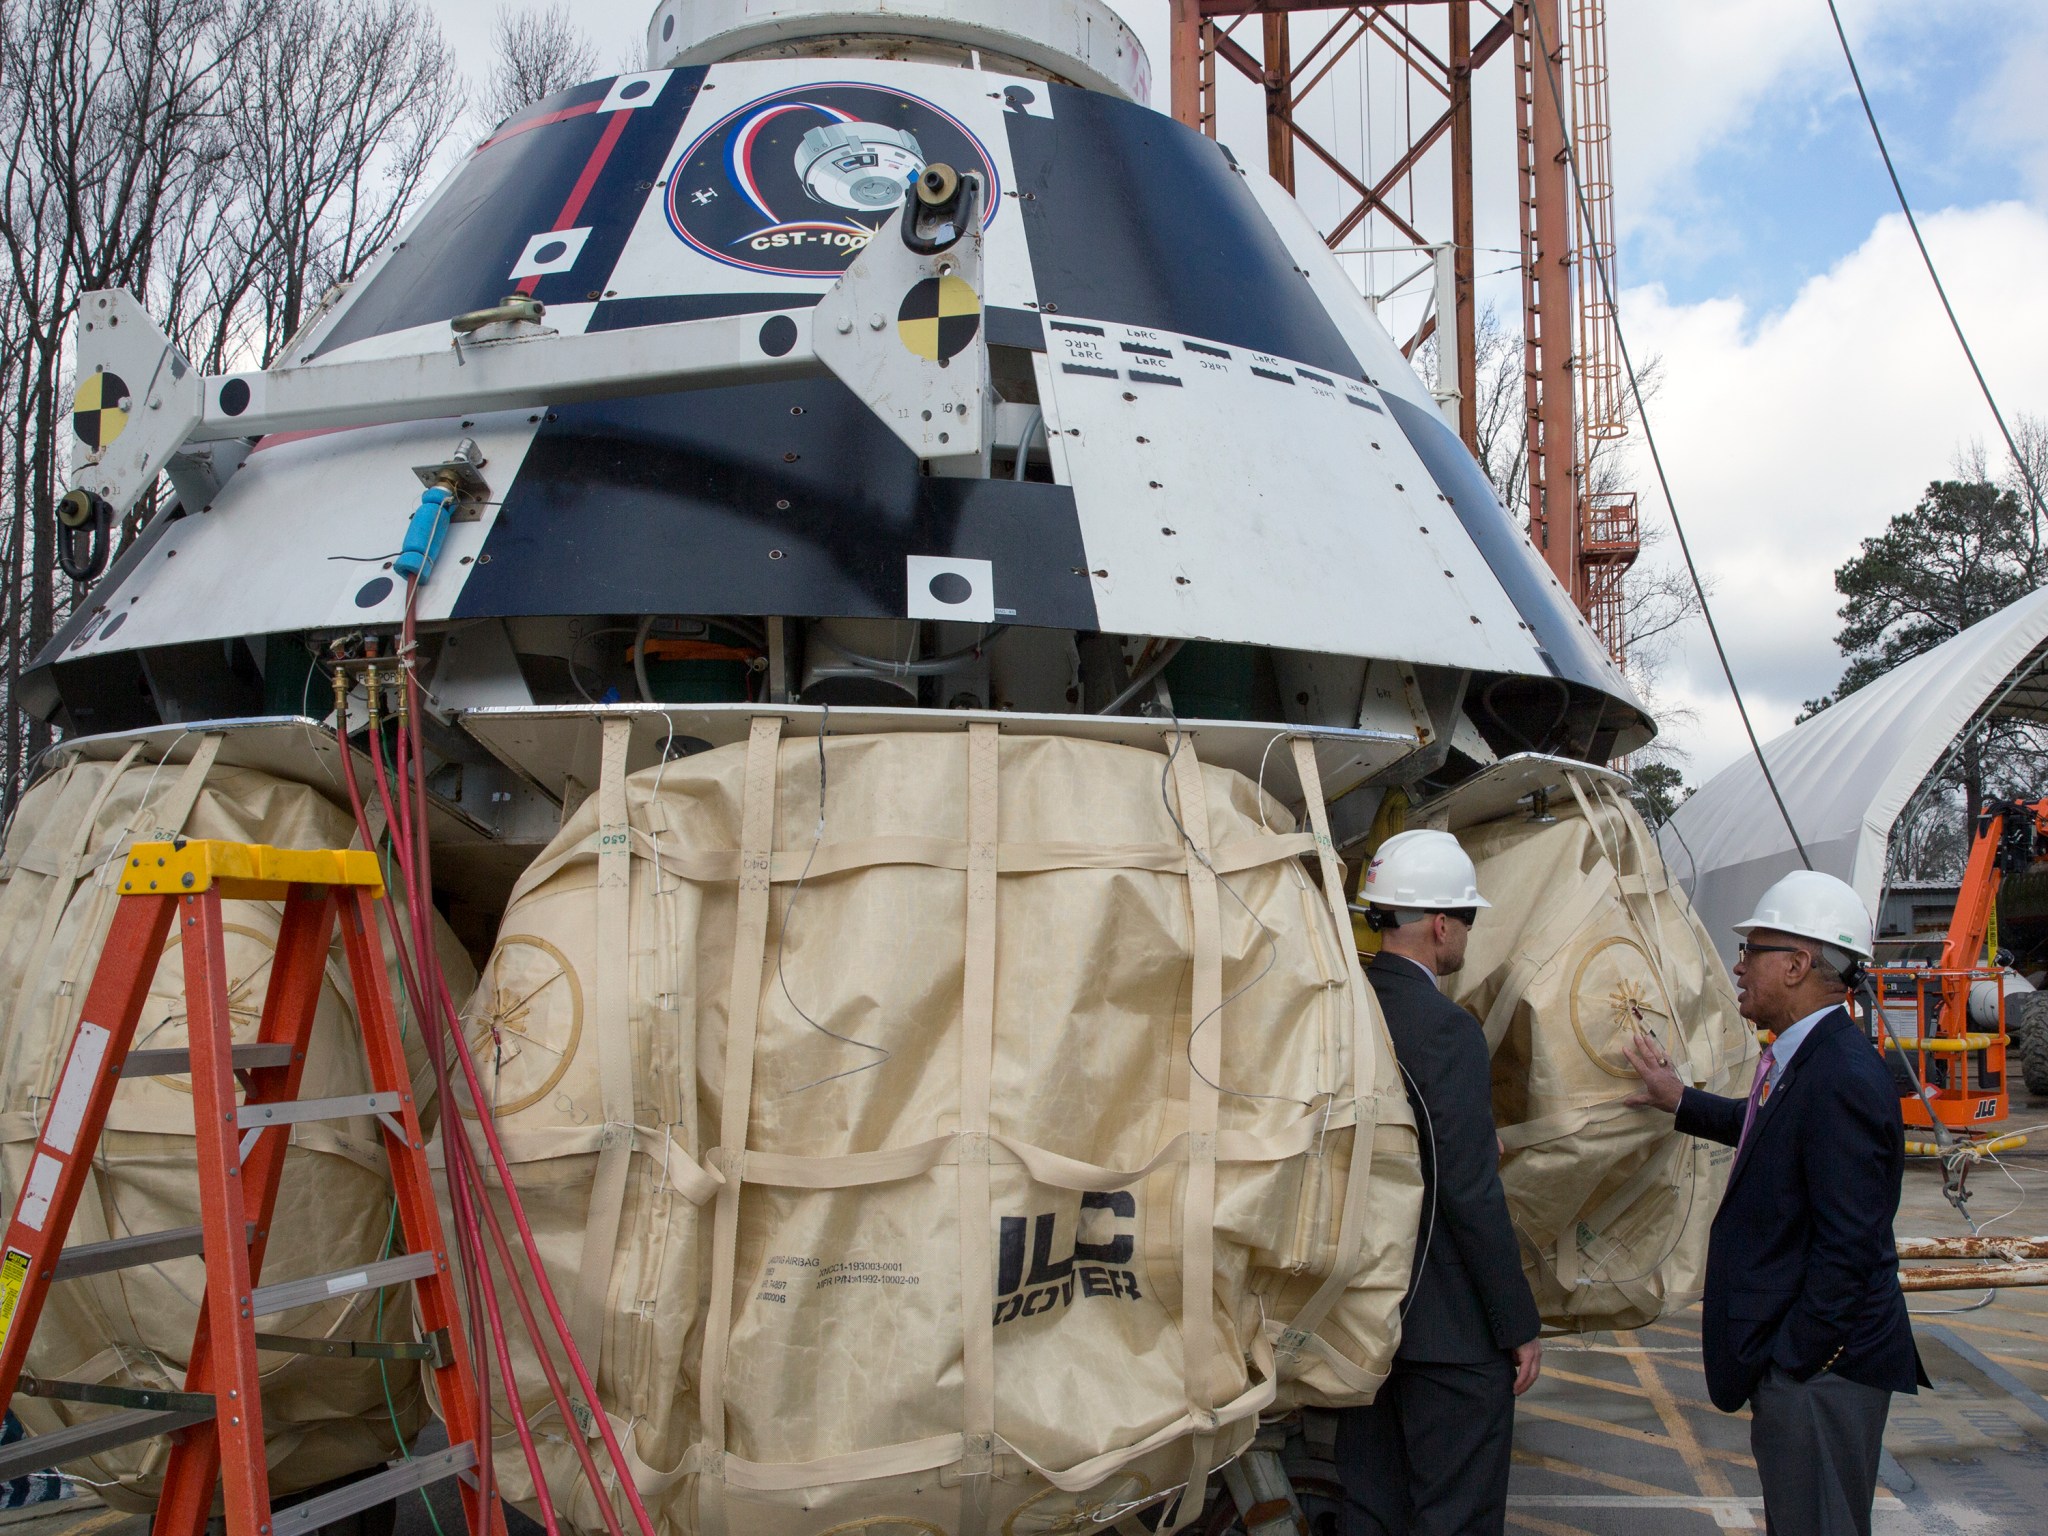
[{"x": 1572, "y": 374}]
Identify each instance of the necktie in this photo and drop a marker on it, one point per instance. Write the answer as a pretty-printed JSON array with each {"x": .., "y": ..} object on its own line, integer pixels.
[{"x": 1758, "y": 1091}]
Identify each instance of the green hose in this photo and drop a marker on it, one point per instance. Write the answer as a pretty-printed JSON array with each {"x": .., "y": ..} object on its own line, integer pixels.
[{"x": 384, "y": 1375}]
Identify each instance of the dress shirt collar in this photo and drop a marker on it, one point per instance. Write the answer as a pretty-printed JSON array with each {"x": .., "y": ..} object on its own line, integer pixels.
[
  {"x": 1407, "y": 960},
  {"x": 1786, "y": 1046}
]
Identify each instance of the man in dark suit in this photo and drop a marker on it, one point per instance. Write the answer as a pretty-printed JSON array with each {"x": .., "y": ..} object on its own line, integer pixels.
[
  {"x": 1803, "y": 1316},
  {"x": 1429, "y": 1456}
]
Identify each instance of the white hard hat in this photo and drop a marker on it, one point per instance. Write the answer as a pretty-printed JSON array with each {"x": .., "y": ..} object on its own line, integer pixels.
[
  {"x": 1810, "y": 905},
  {"x": 1422, "y": 871}
]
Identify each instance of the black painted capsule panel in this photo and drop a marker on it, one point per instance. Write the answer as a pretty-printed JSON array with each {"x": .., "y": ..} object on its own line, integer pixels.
[
  {"x": 559, "y": 161},
  {"x": 1135, "y": 218},
  {"x": 784, "y": 498}
]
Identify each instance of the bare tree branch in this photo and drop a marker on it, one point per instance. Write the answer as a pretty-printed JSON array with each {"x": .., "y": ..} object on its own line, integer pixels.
[
  {"x": 540, "y": 51},
  {"x": 228, "y": 161}
]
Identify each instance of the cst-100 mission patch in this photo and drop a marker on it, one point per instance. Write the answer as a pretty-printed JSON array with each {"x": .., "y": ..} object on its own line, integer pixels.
[{"x": 794, "y": 183}]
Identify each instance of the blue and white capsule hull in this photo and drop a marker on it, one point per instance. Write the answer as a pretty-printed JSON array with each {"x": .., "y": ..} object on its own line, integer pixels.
[
  {"x": 1199, "y": 436},
  {"x": 1193, "y": 499}
]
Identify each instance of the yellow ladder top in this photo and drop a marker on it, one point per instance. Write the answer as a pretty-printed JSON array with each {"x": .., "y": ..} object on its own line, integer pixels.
[{"x": 243, "y": 871}]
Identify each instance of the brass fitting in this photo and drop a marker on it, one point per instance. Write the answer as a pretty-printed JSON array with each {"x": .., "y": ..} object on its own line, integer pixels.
[{"x": 514, "y": 308}]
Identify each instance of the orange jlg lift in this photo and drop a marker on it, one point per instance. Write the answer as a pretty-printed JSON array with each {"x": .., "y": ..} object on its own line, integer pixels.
[{"x": 1960, "y": 1069}]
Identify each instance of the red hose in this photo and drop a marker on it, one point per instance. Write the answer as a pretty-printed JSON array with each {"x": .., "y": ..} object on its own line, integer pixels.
[
  {"x": 547, "y": 1290},
  {"x": 406, "y": 814},
  {"x": 466, "y": 1245},
  {"x": 480, "y": 1293},
  {"x": 474, "y": 1190},
  {"x": 547, "y": 1365},
  {"x": 540, "y": 1482}
]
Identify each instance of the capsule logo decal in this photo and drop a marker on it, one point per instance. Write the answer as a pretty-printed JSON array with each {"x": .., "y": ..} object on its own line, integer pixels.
[
  {"x": 795, "y": 183},
  {"x": 100, "y": 409},
  {"x": 939, "y": 317}
]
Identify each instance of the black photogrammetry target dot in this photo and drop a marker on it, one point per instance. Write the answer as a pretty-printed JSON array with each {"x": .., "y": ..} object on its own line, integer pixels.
[{"x": 778, "y": 335}]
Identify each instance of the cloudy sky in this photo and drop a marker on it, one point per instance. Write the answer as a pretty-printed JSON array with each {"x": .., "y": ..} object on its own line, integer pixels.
[{"x": 1810, "y": 388}]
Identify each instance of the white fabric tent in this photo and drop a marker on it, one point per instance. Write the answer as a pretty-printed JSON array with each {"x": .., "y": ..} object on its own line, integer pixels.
[{"x": 1847, "y": 773}]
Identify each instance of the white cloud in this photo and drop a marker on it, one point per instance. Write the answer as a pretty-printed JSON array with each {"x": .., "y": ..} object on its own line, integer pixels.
[
  {"x": 2010, "y": 115},
  {"x": 1790, "y": 437},
  {"x": 1686, "y": 76},
  {"x": 1688, "y": 79}
]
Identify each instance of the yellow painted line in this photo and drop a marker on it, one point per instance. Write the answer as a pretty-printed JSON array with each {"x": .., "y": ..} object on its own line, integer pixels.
[
  {"x": 1619, "y": 1349},
  {"x": 1593, "y": 1475},
  {"x": 106, "y": 1519},
  {"x": 1552, "y": 1373},
  {"x": 1688, "y": 1358},
  {"x": 1625, "y": 1432},
  {"x": 2035, "y": 1321},
  {"x": 1544, "y": 1527},
  {"x": 1683, "y": 1333},
  {"x": 2003, "y": 1333},
  {"x": 1710, "y": 1478},
  {"x": 1627, "y": 1389},
  {"x": 2032, "y": 1365}
]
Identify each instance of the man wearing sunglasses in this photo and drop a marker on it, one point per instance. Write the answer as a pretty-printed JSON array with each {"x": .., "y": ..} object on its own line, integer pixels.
[
  {"x": 1430, "y": 1454},
  {"x": 1803, "y": 1316}
]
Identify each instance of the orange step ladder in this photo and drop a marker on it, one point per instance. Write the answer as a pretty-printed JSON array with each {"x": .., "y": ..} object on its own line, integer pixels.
[{"x": 217, "y": 1420}]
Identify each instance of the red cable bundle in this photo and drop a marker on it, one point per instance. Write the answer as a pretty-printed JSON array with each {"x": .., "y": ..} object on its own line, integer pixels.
[{"x": 402, "y": 795}]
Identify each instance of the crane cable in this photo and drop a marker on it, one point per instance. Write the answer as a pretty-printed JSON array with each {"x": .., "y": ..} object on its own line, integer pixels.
[
  {"x": 1649, "y": 437},
  {"x": 1952, "y": 1167}
]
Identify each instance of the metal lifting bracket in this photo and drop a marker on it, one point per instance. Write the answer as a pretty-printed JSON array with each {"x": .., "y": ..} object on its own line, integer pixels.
[{"x": 902, "y": 328}]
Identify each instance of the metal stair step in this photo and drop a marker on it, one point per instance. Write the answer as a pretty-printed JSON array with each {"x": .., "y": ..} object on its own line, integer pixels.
[
  {"x": 177, "y": 1060},
  {"x": 378, "y": 1488},
  {"x": 90, "y": 1438},
  {"x": 135, "y": 1249},
  {"x": 286, "y": 1294}
]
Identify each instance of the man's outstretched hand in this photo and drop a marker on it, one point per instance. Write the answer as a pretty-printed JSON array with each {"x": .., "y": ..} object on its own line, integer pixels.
[{"x": 1662, "y": 1087}]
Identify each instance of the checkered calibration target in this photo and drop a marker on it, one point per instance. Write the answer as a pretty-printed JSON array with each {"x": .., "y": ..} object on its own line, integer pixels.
[
  {"x": 939, "y": 317},
  {"x": 100, "y": 409}
]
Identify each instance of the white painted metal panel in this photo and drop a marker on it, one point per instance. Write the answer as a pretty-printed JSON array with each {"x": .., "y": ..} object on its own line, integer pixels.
[
  {"x": 1079, "y": 40},
  {"x": 1261, "y": 502},
  {"x": 300, "y": 530},
  {"x": 1375, "y": 350}
]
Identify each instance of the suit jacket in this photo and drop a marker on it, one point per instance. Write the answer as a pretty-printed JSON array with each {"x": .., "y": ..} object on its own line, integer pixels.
[
  {"x": 1467, "y": 1297},
  {"x": 1801, "y": 1268}
]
